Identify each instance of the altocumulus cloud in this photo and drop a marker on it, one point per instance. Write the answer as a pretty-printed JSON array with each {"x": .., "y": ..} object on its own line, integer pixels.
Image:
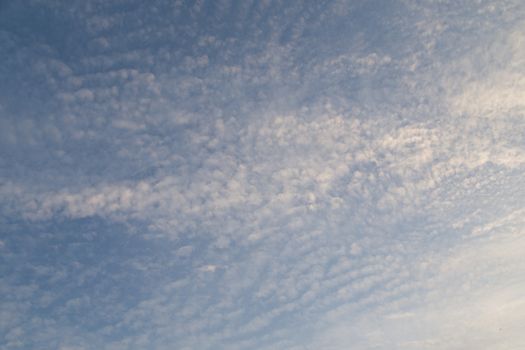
[{"x": 262, "y": 175}]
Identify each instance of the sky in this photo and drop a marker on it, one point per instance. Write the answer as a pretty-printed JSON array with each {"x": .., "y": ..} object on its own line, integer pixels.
[{"x": 236, "y": 174}]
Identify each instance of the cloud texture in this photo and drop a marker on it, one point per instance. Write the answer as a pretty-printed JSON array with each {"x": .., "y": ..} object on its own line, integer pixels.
[{"x": 262, "y": 175}]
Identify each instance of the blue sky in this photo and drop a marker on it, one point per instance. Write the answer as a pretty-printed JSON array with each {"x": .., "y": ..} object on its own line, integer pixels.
[{"x": 262, "y": 174}]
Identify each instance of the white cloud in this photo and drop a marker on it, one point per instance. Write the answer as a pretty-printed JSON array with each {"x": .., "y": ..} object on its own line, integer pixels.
[
  {"x": 306, "y": 180},
  {"x": 501, "y": 91}
]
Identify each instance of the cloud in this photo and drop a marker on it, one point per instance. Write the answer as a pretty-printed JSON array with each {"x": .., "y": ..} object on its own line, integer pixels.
[
  {"x": 499, "y": 92},
  {"x": 465, "y": 305},
  {"x": 286, "y": 176}
]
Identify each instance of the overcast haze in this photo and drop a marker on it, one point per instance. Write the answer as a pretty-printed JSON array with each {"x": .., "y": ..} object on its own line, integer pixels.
[{"x": 322, "y": 175}]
